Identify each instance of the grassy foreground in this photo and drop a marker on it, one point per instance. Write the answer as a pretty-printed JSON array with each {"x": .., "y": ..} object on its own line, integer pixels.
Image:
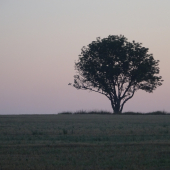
[{"x": 85, "y": 142}]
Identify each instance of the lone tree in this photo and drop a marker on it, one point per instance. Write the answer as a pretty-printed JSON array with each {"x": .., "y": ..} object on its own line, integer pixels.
[{"x": 116, "y": 68}]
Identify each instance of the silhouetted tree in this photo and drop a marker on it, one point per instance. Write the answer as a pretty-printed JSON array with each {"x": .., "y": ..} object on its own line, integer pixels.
[{"x": 116, "y": 68}]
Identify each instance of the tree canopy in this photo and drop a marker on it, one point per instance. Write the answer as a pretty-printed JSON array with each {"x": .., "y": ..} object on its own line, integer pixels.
[{"x": 116, "y": 68}]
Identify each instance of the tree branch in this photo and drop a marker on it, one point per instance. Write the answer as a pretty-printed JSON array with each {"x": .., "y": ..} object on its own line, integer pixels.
[
  {"x": 88, "y": 88},
  {"x": 130, "y": 83},
  {"x": 127, "y": 99}
]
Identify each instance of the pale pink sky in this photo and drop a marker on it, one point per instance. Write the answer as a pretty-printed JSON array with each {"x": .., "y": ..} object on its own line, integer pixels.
[{"x": 40, "y": 41}]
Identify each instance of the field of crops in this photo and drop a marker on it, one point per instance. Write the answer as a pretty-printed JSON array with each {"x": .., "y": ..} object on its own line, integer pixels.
[{"x": 85, "y": 142}]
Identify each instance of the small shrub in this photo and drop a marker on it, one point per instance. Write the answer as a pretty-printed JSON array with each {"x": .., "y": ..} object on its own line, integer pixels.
[
  {"x": 66, "y": 113},
  {"x": 157, "y": 113}
]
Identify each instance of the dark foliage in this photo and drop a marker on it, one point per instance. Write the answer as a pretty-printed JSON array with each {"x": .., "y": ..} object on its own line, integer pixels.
[
  {"x": 109, "y": 113},
  {"x": 116, "y": 68}
]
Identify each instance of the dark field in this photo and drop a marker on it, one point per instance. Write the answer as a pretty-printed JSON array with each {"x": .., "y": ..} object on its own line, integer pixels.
[{"x": 85, "y": 142}]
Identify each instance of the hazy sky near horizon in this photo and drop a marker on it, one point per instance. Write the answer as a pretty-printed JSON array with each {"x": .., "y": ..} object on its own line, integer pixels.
[{"x": 40, "y": 41}]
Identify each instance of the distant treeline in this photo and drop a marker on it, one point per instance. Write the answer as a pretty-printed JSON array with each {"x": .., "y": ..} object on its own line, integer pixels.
[{"x": 110, "y": 113}]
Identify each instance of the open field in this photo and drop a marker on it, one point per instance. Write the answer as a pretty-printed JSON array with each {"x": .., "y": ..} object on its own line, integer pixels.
[{"x": 84, "y": 142}]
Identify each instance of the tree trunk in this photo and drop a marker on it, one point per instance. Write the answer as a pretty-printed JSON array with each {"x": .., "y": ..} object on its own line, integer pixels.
[{"x": 116, "y": 107}]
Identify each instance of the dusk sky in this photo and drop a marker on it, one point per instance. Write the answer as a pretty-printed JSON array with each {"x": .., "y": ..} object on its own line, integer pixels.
[{"x": 40, "y": 40}]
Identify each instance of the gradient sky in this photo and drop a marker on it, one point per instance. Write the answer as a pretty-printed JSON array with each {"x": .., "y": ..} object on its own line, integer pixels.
[{"x": 40, "y": 40}]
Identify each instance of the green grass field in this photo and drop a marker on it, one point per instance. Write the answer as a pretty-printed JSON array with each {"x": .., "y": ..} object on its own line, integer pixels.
[{"x": 85, "y": 142}]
